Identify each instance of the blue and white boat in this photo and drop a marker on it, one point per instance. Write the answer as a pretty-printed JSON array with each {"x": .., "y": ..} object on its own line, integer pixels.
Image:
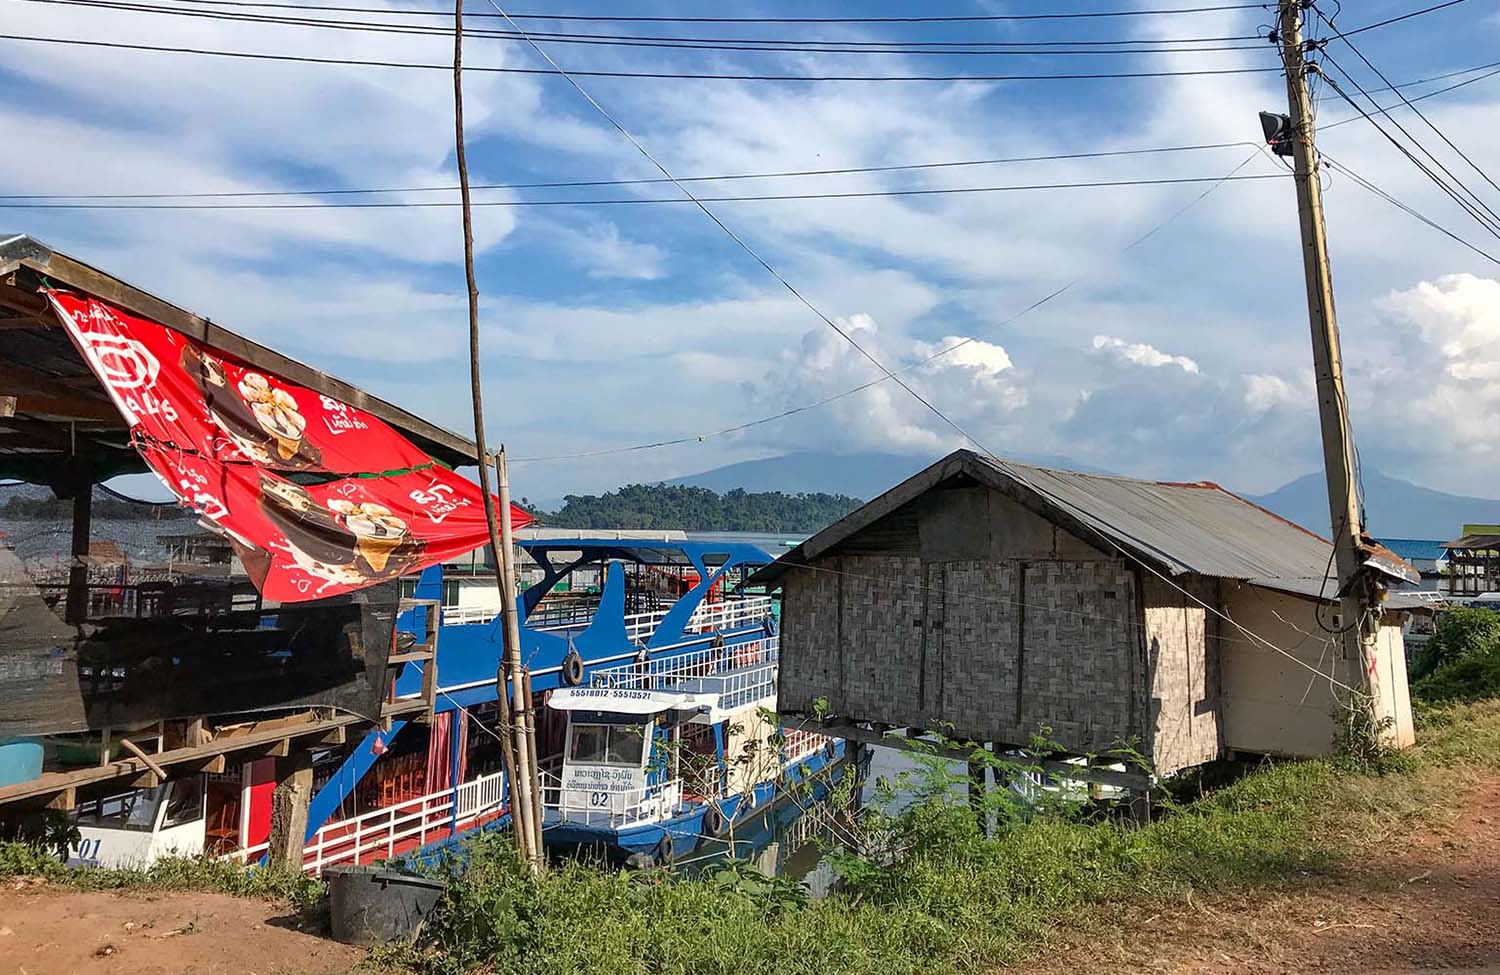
[
  {"x": 667, "y": 752},
  {"x": 653, "y": 675}
]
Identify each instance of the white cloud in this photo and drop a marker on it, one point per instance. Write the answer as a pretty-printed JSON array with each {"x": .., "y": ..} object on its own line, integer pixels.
[{"x": 1141, "y": 354}]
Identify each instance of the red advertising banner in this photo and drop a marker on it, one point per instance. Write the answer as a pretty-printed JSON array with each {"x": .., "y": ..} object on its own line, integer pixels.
[{"x": 317, "y": 496}]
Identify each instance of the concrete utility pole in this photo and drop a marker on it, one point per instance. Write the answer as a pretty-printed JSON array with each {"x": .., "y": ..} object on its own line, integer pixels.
[{"x": 1357, "y": 603}]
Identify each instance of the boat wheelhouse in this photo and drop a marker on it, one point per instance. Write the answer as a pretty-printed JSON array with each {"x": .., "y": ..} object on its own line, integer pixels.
[{"x": 665, "y": 753}]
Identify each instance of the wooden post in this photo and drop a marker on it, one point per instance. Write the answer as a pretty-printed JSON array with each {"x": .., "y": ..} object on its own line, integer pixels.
[
  {"x": 78, "y": 571},
  {"x": 1359, "y": 623},
  {"x": 527, "y": 832},
  {"x": 527, "y": 798},
  {"x": 294, "y": 778}
]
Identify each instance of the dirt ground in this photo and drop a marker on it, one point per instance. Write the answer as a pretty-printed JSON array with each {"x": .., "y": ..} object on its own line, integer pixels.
[
  {"x": 1432, "y": 904},
  {"x": 48, "y": 931}
]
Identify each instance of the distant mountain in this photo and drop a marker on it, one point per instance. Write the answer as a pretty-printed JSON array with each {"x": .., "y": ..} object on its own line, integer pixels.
[
  {"x": 862, "y": 475},
  {"x": 1393, "y": 508}
]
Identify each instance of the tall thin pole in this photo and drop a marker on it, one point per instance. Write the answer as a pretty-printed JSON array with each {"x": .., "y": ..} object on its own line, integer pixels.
[
  {"x": 499, "y": 529},
  {"x": 527, "y": 803},
  {"x": 1357, "y": 605}
]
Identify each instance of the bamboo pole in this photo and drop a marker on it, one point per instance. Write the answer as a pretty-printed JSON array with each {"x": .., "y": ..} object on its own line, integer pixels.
[
  {"x": 499, "y": 528},
  {"x": 520, "y": 682}
]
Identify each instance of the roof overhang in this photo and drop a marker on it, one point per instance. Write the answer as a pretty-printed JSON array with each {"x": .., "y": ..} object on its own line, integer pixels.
[{"x": 55, "y": 411}]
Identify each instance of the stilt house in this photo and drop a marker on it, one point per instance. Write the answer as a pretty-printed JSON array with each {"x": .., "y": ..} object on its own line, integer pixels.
[{"x": 997, "y": 601}]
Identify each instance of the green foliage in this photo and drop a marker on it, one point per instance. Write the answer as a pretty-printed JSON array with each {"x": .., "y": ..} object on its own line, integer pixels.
[
  {"x": 49, "y": 831},
  {"x": 699, "y": 509},
  {"x": 1361, "y": 743},
  {"x": 1462, "y": 660},
  {"x": 168, "y": 873},
  {"x": 1459, "y": 634}
]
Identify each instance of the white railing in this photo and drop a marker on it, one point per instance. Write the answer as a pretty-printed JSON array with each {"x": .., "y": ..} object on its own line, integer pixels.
[
  {"x": 383, "y": 833},
  {"x": 612, "y": 810},
  {"x": 798, "y": 744},
  {"x": 739, "y": 673},
  {"x": 707, "y": 618},
  {"x": 481, "y": 795},
  {"x": 462, "y": 615}
]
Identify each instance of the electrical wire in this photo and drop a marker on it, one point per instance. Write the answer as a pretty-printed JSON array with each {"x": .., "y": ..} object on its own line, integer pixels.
[
  {"x": 1405, "y": 101},
  {"x": 943, "y": 49},
  {"x": 659, "y": 75},
  {"x": 1490, "y": 222},
  {"x": 1371, "y": 187},
  {"x": 633, "y": 201},
  {"x": 602, "y": 18},
  {"x": 1491, "y": 70},
  {"x": 807, "y": 407},
  {"x": 654, "y": 180}
]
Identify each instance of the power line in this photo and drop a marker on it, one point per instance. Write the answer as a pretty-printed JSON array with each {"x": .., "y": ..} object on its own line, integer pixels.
[
  {"x": 559, "y": 184},
  {"x": 1491, "y": 222},
  {"x": 808, "y": 407},
  {"x": 925, "y": 48},
  {"x": 660, "y": 75},
  {"x": 1493, "y": 65},
  {"x": 1405, "y": 101},
  {"x": 600, "y": 18},
  {"x": 1493, "y": 70},
  {"x": 1407, "y": 16},
  {"x": 1370, "y": 186},
  {"x": 632, "y": 201}
]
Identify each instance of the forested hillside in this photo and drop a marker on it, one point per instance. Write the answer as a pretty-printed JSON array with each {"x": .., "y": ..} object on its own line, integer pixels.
[{"x": 699, "y": 509}]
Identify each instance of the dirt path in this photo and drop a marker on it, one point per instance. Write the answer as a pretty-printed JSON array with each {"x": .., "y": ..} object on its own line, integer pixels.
[
  {"x": 1433, "y": 903},
  {"x": 50, "y": 931}
]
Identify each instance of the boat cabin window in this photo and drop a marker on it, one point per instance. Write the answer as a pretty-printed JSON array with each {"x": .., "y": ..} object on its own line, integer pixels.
[
  {"x": 607, "y": 744},
  {"x": 135, "y": 809},
  {"x": 185, "y": 803}
]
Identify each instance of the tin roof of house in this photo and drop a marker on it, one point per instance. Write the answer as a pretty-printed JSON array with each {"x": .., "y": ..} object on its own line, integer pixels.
[{"x": 1181, "y": 527}]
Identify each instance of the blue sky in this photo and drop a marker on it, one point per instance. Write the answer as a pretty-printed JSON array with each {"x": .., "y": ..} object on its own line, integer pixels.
[{"x": 1184, "y": 357}]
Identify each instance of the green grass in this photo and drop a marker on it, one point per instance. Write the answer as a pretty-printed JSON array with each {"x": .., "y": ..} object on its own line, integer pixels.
[
  {"x": 169, "y": 873},
  {"x": 949, "y": 900},
  {"x": 952, "y": 900}
]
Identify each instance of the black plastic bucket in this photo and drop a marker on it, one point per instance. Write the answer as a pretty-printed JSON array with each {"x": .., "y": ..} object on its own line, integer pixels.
[{"x": 372, "y": 905}]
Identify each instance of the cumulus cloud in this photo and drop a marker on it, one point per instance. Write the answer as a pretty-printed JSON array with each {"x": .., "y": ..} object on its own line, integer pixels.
[
  {"x": 1443, "y": 400},
  {"x": 976, "y": 384},
  {"x": 1141, "y": 354}
]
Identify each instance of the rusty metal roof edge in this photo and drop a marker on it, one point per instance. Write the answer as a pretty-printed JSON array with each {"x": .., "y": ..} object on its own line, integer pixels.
[{"x": 21, "y": 250}]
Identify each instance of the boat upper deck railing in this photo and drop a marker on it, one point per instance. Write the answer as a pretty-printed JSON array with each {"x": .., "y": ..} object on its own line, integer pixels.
[
  {"x": 707, "y": 618},
  {"x": 742, "y": 674}
]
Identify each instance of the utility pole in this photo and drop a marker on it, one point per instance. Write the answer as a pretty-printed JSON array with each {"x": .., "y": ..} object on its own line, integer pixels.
[
  {"x": 1357, "y": 618},
  {"x": 525, "y": 821}
]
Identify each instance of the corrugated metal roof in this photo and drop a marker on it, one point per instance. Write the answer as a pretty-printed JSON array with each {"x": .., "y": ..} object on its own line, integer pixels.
[
  {"x": 1415, "y": 548},
  {"x": 1183, "y": 527},
  {"x": 1490, "y": 542},
  {"x": 1194, "y": 527}
]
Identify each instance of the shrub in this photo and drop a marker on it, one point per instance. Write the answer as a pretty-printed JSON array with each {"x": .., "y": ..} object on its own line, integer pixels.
[{"x": 1460, "y": 634}]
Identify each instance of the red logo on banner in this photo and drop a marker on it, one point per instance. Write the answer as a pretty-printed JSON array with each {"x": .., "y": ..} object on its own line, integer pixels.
[{"x": 224, "y": 436}]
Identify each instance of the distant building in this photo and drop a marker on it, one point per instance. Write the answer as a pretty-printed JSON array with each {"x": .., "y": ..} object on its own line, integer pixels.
[
  {"x": 998, "y": 601},
  {"x": 1474, "y": 561}
]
